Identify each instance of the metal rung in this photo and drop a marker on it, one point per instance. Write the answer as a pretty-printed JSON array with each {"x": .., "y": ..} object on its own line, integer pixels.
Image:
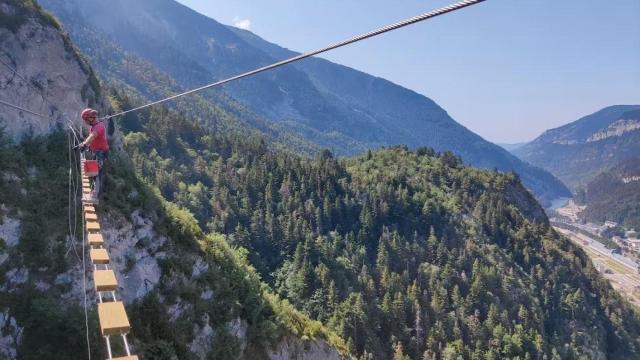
[
  {"x": 99, "y": 256},
  {"x": 113, "y": 318},
  {"x": 90, "y": 216},
  {"x": 105, "y": 280},
  {"x": 93, "y": 226},
  {"x": 132, "y": 357},
  {"x": 95, "y": 239}
]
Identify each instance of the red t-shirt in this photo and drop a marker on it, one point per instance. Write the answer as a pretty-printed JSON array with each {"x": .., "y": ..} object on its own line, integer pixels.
[{"x": 99, "y": 143}]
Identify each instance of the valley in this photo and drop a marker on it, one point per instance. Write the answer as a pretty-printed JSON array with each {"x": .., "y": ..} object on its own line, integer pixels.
[
  {"x": 621, "y": 271},
  {"x": 311, "y": 212}
]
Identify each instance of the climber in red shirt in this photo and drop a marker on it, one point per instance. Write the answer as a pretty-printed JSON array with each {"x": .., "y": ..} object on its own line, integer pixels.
[{"x": 99, "y": 147}]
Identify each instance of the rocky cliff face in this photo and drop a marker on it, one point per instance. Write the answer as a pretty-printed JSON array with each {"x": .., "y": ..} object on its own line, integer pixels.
[
  {"x": 52, "y": 78},
  {"x": 618, "y": 128},
  {"x": 580, "y": 150}
]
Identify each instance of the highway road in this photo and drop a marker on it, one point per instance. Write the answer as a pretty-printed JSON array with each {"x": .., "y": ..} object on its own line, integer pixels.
[
  {"x": 597, "y": 246},
  {"x": 619, "y": 270}
]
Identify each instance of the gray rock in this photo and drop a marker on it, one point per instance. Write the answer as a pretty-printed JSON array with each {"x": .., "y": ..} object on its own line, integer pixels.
[
  {"x": 10, "y": 231},
  {"x": 10, "y": 335},
  {"x": 136, "y": 267},
  {"x": 292, "y": 348},
  {"x": 58, "y": 75},
  {"x": 202, "y": 340}
]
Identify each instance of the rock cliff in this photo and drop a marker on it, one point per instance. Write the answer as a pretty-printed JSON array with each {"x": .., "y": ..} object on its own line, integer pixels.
[{"x": 52, "y": 79}]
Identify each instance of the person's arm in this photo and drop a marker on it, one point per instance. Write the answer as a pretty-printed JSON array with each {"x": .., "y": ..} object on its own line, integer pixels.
[{"x": 89, "y": 139}]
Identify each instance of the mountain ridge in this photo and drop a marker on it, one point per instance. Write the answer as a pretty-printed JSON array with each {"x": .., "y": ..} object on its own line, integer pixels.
[
  {"x": 580, "y": 150},
  {"x": 404, "y": 254},
  {"x": 614, "y": 195},
  {"x": 311, "y": 98}
]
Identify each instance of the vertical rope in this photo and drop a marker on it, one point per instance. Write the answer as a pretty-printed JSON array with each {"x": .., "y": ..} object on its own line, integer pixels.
[{"x": 84, "y": 283}]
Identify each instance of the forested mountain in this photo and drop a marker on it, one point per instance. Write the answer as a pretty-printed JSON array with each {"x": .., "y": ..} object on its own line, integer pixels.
[
  {"x": 325, "y": 104},
  {"x": 406, "y": 255},
  {"x": 188, "y": 294},
  {"x": 393, "y": 254},
  {"x": 580, "y": 150},
  {"x": 614, "y": 195}
]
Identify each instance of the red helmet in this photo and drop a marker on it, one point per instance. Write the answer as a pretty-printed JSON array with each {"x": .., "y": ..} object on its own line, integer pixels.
[{"x": 88, "y": 113}]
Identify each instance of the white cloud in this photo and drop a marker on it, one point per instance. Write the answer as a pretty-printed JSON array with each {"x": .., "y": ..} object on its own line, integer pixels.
[{"x": 242, "y": 23}]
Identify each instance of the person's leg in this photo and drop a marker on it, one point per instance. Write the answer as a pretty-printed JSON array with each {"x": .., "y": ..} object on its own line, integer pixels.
[
  {"x": 90, "y": 155},
  {"x": 101, "y": 156}
]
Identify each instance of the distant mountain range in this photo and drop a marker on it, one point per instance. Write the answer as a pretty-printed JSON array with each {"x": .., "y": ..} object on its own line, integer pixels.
[
  {"x": 614, "y": 195},
  {"x": 314, "y": 101},
  {"x": 511, "y": 147},
  {"x": 580, "y": 150}
]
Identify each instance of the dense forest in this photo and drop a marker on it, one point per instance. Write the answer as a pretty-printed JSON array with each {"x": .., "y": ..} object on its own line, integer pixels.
[
  {"x": 405, "y": 254},
  {"x": 614, "y": 195},
  {"x": 40, "y": 272},
  {"x": 394, "y": 254}
]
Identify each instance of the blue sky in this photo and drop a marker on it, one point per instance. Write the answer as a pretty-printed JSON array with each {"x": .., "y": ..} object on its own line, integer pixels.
[{"x": 506, "y": 69}]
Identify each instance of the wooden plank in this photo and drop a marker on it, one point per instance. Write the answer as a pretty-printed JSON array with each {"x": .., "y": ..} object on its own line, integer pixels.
[
  {"x": 89, "y": 216},
  {"x": 89, "y": 208},
  {"x": 105, "y": 280},
  {"x": 93, "y": 226},
  {"x": 132, "y": 357},
  {"x": 113, "y": 318},
  {"x": 99, "y": 256},
  {"x": 95, "y": 239}
]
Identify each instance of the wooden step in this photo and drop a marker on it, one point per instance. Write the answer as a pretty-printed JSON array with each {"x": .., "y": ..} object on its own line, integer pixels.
[
  {"x": 113, "y": 318},
  {"x": 93, "y": 226},
  {"x": 132, "y": 357},
  {"x": 99, "y": 256},
  {"x": 89, "y": 216},
  {"x": 95, "y": 239},
  {"x": 89, "y": 208},
  {"x": 105, "y": 280}
]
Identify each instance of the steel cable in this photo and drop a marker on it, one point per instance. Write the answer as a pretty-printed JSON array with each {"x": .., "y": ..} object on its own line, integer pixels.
[{"x": 394, "y": 26}]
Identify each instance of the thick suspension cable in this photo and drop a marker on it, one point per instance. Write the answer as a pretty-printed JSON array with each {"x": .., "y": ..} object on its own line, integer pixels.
[
  {"x": 23, "y": 109},
  {"x": 443, "y": 10}
]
